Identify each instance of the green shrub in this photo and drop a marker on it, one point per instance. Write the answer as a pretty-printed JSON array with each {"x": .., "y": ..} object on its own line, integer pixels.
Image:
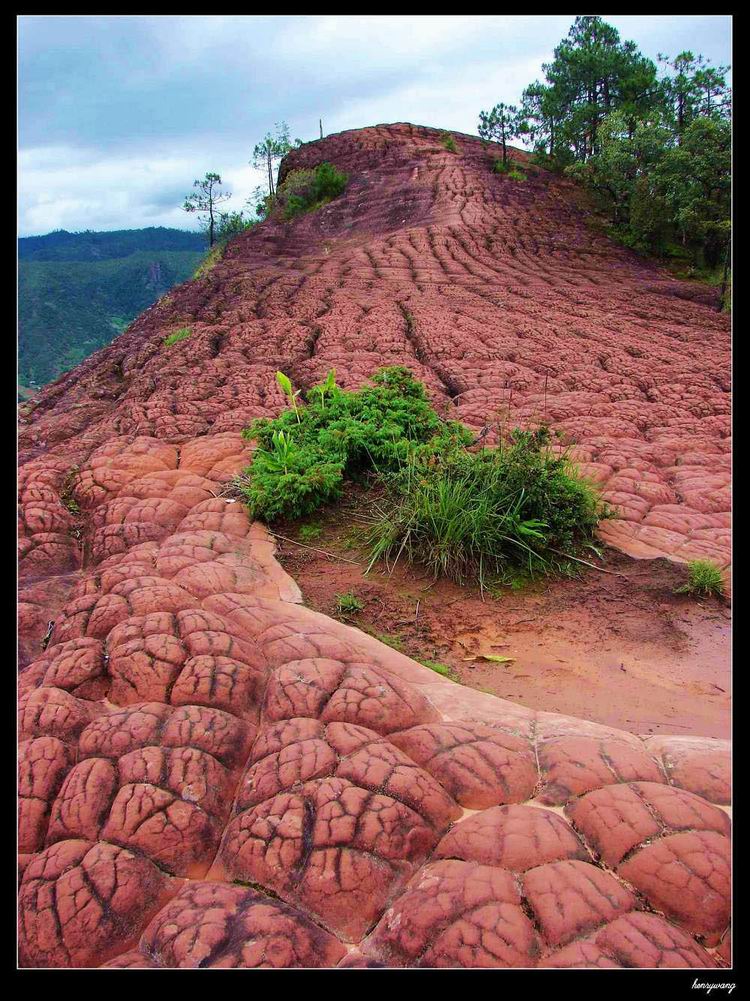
[
  {"x": 510, "y": 169},
  {"x": 474, "y": 515},
  {"x": 305, "y": 190},
  {"x": 305, "y": 454},
  {"x": 448, "y": 142},
  {"x": 348, "y": 603},
  {"x": 179, "y": 335},
  {"x": 468, "y": 515},
  {"x": 704, "y": 580}
]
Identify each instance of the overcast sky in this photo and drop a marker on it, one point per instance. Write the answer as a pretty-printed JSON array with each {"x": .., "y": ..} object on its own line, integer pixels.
[{"x": 119, "y": 114}]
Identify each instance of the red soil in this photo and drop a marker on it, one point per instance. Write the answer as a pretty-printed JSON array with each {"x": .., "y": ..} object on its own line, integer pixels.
[
  {"x": 212, "y": 774},
  {"x": 617, "y": 647}
]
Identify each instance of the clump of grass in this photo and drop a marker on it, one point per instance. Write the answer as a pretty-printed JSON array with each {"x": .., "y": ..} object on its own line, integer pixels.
[
  {"x": 179, "y": 335},
  {"x": 210, "y": 261},
  {"x": 489, "y": 515},
  {"x": 310, "y": 532},
  {"x": 448, "y": 142},
  {"x": 395, "y": 642},
  {"x": 704, "y": 580},
  {"x": 511, "y": 170},
  {"x": 349, "y": 603},
  {"x": 306, "y": 453},
  {"x": 306, "y": 190},
  {"x": 442, "y": 669}
]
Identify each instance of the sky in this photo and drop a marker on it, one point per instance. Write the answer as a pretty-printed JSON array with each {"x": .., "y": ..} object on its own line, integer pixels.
[{"x": 119, "y": 114}]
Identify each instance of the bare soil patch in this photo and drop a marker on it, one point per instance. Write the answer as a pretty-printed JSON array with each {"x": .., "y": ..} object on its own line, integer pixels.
[{"x": 619, "y": 648}]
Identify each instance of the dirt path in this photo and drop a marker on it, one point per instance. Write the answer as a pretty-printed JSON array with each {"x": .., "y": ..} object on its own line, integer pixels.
[{"x": 624, "y": 650}]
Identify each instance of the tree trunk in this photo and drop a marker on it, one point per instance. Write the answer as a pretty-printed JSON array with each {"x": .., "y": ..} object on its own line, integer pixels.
[
  {"x": 725, "y": 276},
  {"x": 270, "y": 174}
]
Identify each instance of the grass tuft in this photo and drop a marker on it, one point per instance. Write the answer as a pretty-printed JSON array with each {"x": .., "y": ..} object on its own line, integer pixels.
[
  {"x": 704, "y": 580},
  {"x": 179, "y": 335},
  {"x": 310, "y": 532},
  {"x": 448, "y": 142},
  {"x": 489, "y": 515},
  {"x": 442, "y": 669},
  {"x": 349, "y": 603},
  {"x": 393, "y": 641}
]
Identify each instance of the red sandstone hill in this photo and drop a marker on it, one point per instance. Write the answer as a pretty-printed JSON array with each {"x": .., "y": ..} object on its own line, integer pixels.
[{"x": 193, "y": 739}]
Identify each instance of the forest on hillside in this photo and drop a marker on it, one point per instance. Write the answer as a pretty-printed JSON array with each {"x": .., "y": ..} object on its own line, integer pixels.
[
  {"x": 652, "y": 142},
  {"x": 77, "y": 291}
]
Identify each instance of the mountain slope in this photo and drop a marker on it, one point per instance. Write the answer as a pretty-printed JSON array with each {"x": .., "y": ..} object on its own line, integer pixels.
[
  {"x": 77, "y": 291},
  {"x": 218, "y": 775}
]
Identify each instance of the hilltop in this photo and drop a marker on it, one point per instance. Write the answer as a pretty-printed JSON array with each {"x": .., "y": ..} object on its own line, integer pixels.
[{"x": 216, "y": 774}]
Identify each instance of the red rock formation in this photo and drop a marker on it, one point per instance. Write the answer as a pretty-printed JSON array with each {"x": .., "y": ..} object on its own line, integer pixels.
[{"x": 213, "y": 775}]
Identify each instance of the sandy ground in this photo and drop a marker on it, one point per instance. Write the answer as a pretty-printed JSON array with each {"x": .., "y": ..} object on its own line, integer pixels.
[{"x": 619, "y": 648}]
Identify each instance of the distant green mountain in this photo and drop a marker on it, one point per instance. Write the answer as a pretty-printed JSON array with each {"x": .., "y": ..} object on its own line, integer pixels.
[{"x": 78, "y": 291}]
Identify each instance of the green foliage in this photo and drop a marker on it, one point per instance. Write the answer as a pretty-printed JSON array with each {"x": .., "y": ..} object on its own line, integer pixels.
[
  {"x": 210, "y": 261},
  {"x": 231, "y": 224},
  {"x": 502, "y": 124},
  {"x": 77, "y": 292},
  {"x": 395, "y": 642},
  {"x": 704, "y": 580},
  {"x": 338, "y": 435},
  {"x": 305, "y": 190},
  {"x": 349, "y": 603},
  {"x": 511, "y": 169},
  {"x": 658, "y": 190},
  {"x": 442, "y": 669},
  {"x": 205, "y": 200},
  {"x": 179, "y": 335},
  {"x": 656, "y": 152},
  {"x": 474, "y": 515},
  {"x": 310, "y": 532},
  {"x": 448, "y": 142},
  {"x": 269, "y": 151},
  {"x": 465, "y": 514}
]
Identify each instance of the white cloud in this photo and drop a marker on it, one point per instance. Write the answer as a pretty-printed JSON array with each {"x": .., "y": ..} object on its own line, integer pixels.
[
  {"x": 65, "y": 188},
  {"x": 118, "y": 114}
]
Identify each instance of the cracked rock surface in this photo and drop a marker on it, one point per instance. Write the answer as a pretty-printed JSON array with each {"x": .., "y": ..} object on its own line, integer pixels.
[{"x": 213, "y": 775}]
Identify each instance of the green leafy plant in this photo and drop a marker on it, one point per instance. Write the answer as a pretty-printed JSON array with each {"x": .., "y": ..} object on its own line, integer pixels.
[
  {"x": 704, "y": 580},
  {"x": 349, "y": 603},
  {"x": 285, "y": 385},
  {"x": 478, "y": 515},
  {"x": 442, "y": 669},
  {"x": 179, "y": 335},
  {"x": 306, "y": 189},
  {"x": 467, "y": 514},
  {"x": 511, "y": 170},
  {"x": 338, "y": 436},
  {"x": 448, "y": 142},
  {"x": 326, "y": 388}
]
